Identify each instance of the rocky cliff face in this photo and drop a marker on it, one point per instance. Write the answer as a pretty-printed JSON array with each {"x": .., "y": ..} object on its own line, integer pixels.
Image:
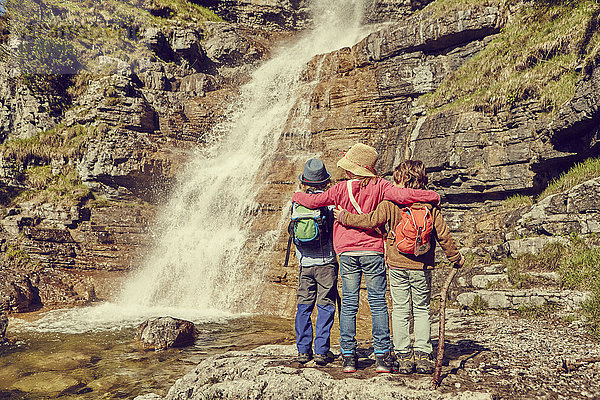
[
  {"x": 475, "y": 158},
  {"x": 128, "y": 122}
]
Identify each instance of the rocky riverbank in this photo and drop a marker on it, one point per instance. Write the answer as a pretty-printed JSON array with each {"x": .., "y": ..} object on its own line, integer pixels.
[{"x": 493, "y": 356}]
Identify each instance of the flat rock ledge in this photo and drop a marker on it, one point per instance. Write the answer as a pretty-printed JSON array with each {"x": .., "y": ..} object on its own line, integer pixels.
[
  {"x": 492, "y": 356},
  {"x": 271, "y": 372}
]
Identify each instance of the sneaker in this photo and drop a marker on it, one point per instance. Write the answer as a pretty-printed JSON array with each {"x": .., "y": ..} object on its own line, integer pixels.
[
  {"x": 423, "y": 362},
  {"x": 303, "y": 358},
  {"x": 349, "y": 363},
  {"x": 324, "y": 359},
  {"x": 385, "y": 362},
  {"x": 406, "y": 363}
]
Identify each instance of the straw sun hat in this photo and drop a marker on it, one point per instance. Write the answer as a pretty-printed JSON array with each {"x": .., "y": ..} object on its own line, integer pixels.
[{"x": 360, "y": 160}]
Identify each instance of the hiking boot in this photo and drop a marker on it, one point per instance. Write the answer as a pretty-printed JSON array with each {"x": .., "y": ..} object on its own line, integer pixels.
[
  {"x": 303, "y": 358},
  {"x": 423, "y": 363},
  {"x": 349, "y": 363},
  {"x": 406, "y": 363},
  {"x": 324, "y": 359},
  {"x": 385, "y": 362}
]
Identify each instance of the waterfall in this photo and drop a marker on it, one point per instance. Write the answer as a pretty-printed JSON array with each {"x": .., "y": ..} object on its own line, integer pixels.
[
  {"x": 196, "y": 269},
  {"x": 197, "y": 260}
]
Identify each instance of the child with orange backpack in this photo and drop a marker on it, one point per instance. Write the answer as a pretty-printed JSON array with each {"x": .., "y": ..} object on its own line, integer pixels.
[{"x": 410, "y": 255}]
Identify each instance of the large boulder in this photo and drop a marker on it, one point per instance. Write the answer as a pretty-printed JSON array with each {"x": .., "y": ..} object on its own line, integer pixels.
[
  {"x": 575, "y": 210},
  {"x": 267, "y": 373},
  {"x": 164, "y": 332}
]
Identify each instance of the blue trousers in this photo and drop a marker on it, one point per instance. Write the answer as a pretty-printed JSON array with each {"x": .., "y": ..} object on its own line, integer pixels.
[
  {"x": 317, "y": 285},
  {"x": 352, "y": 268}
]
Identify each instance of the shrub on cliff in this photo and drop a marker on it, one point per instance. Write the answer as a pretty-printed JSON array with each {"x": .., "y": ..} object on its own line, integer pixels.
[{"x": 60, "y": 146}]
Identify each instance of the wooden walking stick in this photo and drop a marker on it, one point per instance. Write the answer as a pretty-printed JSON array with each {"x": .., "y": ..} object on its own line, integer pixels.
[{"x": 441, "y": 337}]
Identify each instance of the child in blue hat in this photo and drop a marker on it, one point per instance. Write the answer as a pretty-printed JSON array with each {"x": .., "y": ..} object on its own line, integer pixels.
[{"x": 311, "y": 231}]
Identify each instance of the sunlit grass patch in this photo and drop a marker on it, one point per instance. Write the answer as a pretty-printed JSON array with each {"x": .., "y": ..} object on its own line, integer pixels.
[
  {"x": 517, "y": 200},
  {"x": 58, "y": 142},
  {"x": 534, "y": 57},
  {"x": 579, "y": 173},
  {"x": 64, "y": 188}
]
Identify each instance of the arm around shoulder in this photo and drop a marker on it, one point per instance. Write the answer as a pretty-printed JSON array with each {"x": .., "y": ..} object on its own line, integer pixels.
[
  {"x": 315, "y": 200},
  {"x": 408, "y": 196},
  {"x": 372, "y": 220}
]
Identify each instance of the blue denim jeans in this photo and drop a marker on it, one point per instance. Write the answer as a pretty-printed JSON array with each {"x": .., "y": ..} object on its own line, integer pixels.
[
  {"x": 352, "y": 268},
  {"x": 411, "y": 290}
]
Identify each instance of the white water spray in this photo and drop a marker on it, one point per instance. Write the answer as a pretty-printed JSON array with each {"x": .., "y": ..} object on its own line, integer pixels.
[
  {"x": 197, "y": 270},
  {"x": 197, "y": 261}
]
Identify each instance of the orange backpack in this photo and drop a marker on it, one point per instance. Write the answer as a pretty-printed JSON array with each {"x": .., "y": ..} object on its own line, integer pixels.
[{"x": 413, "y": 233}]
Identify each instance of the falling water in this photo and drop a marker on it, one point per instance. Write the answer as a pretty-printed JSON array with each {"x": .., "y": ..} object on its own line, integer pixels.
[
  {"x": 197, "y": 261},
  {"x": 197, "y": 269}
]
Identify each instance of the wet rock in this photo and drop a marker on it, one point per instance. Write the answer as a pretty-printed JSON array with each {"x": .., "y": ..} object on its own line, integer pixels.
[
  {"x": 3, "y": 326},
  {"x": 106, "y": 384},
  {"x": 46, "y": 383},
  {"x": 164, "y": 332},
  {"x": 64, "y": 360},
  {"x": 56, "y": 287},
  {"x": 17, "y": 293}
]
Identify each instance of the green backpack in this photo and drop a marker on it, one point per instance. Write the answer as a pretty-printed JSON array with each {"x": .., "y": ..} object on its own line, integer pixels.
[{"x": 308, "y": 226}]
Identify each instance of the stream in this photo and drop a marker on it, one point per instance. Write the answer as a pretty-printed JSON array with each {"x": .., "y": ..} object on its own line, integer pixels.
[{"x": 110, "y": 363}]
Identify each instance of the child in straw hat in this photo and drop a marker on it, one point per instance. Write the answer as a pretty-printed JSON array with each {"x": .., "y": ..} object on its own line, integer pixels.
[{"x": 361, "y": 252}]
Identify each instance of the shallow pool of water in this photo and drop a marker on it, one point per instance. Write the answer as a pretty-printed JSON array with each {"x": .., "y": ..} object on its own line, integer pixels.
[{"x": 110, "y": 364}]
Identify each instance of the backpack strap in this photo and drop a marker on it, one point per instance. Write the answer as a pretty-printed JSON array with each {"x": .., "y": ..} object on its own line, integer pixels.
[
  {"x": 355, "y": 203},
  {"x": 289, "y": 244},
  {"x": 351, "y": 195}
]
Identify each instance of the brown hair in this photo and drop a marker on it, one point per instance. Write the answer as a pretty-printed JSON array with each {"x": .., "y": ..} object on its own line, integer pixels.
[
  {"x": 411, "y": 174},
  {"x": 311, "y": 188}
]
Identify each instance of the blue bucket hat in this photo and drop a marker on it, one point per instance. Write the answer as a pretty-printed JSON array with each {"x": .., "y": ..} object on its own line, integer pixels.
[{"x": 314, "y": 173}]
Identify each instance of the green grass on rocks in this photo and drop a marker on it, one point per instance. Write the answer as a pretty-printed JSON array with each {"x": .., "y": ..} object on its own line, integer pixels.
[
  {"x": 578, "y": 265},
  {"x": 538, "y": 55},
  {"x": 578, "y": 174}
]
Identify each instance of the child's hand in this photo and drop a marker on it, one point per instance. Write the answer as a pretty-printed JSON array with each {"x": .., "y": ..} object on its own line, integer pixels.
[
  {"x": 460, "y": 262},
  {"x": 337, "y": 211}
]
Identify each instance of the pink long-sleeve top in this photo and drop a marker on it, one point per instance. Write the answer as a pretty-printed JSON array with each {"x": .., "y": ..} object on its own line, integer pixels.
[{"x": 368, "y": 197}]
